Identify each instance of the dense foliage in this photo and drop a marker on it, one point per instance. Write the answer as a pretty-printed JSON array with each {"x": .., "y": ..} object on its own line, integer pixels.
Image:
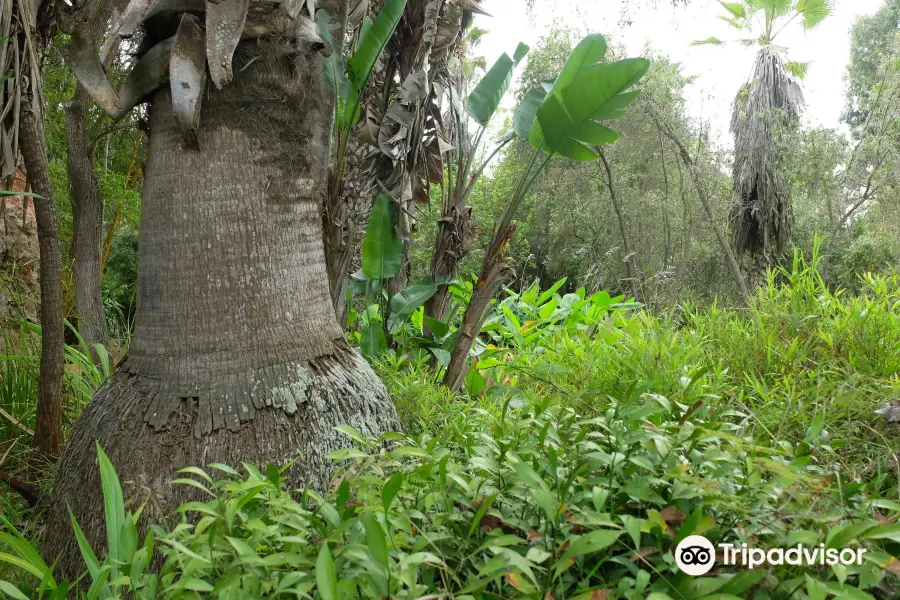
[
  {"x": 620, "y": 394},
  {"x": 600, "y": 436}
]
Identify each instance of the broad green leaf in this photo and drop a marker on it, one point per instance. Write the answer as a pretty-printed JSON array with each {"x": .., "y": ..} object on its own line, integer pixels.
[
  {"x": 526, "y": 113},
  {"x": 485, "y": 98},
  {"x": 438, "y": 328},
  {"x": 885, "y": 532},
  {"x": 840, "y": 537},
  {"x": 591, "y": 542},
  {"x": 382, "y": 251},
  {"x": 372, "y": 42},
  {"x": 198, "y": 472},
  {"x": 351, "y": 433},
  {"x": 224, "y": 469},
  {"x": 333, "y": 69},
  {"x": 742, "y": 582},
  {"x": 373, "y": 342},
  {"x": 588, "y": 52},
  {"x": 185, "y": 550},
  {"x": 599, "y": 88},
  {"x": 12, "y": 591},
  {"x": 615, "y": 108},
  {"x": 815, "y": 427},
  {"x": 193, "y": 584},
  {"x": 441, "y": 355},
  {"x": 735, "y": 8},
  {"x": 567, "y": 120},
  {"x": 408, "y": 451},
  {"x": 373, "y": 38},
  {"x": 539, "y": 489},
  {"x": 410, "y": 299},
  {"x": 390, "y": 491},
  {"x": 326, "y": 576},
  {"x": 595, "y": 134},
  {"x": 375, "y": 538},
  {"x": 485, "y": 506},
  {"x": 521, "y": 52},
  {"x": 475, "y": 382},
  {"x": 113, "y": 508},
  {"x": 345, "y": 454},
  {"x": 547, "y": 295}
]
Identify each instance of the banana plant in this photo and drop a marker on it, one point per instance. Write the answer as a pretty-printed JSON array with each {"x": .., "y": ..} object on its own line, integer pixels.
[
  {"x": 348, "y": 80},
  {"x": 461, "y": 174},
  {"x": 383, "y": 249},
  {"x": 382, "y": 256},
  {"x": 564, "y": 122}
]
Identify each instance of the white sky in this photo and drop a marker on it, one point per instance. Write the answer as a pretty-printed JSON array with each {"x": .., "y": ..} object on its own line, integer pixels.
[{"x": 720, "y": 71}]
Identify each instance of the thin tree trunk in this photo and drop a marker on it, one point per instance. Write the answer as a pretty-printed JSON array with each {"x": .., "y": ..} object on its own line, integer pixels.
[
  {"x": 623, "y": 228},
  {"x": 48, "y": 429},
  {"x": 237, "y": 355},
  {"x": 704, "y": 199},
  {"x": 87, "y": 224},
  {"x": 665, "y": 208},
  {"x": 687, "y": 231}
]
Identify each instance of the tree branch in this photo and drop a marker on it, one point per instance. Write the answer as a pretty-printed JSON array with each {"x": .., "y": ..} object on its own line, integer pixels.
[{"x": 30, "y": 493}]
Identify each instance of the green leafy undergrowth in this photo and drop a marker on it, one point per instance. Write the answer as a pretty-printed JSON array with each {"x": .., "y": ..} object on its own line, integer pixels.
[
  {"x": 801, "y": 350},
  {"x": 534, "y": 500}
]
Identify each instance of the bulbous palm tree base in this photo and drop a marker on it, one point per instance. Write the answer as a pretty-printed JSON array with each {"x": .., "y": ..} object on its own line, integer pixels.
[{"x": 339, "y": 388}]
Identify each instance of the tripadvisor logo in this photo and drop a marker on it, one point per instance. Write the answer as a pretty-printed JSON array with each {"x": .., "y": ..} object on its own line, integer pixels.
[{"x": 696, "y": 555}]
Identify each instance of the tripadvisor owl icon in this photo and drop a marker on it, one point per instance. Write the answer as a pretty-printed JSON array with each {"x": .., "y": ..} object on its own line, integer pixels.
[{"x": 695, "y": 555}]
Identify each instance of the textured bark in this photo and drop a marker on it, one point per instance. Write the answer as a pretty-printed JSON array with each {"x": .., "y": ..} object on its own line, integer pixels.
[
  {"x": 477, "y": 310},
  {"x": 473, "y": 319},
  {"x": 450, "y": 248},
  {"x": 48, "y": 429},
  {"x": 87, "y": 224},
  {"x": 19, "y": 253},
  {"x": 236, "y": 355},
  {"x": 344, "y": 219}
]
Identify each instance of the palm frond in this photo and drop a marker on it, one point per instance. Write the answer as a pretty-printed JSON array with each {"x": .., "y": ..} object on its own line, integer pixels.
[{"x": 814, "y": 11}]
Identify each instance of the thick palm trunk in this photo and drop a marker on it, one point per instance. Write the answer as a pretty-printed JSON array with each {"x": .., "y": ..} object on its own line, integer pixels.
[
  {"x": 87, "y": 224},
  {"x": 237, "y": 355}
]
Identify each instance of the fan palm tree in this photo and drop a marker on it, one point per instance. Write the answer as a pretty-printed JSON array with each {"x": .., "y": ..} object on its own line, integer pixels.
[{"x": 770, "y": 102}]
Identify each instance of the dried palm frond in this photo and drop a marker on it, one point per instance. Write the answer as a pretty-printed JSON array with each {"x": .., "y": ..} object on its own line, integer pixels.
[
  {"x": 20, "y": 59},
  {"x": 201, "y": 34},
  {"x": 769, "y": 104}
]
